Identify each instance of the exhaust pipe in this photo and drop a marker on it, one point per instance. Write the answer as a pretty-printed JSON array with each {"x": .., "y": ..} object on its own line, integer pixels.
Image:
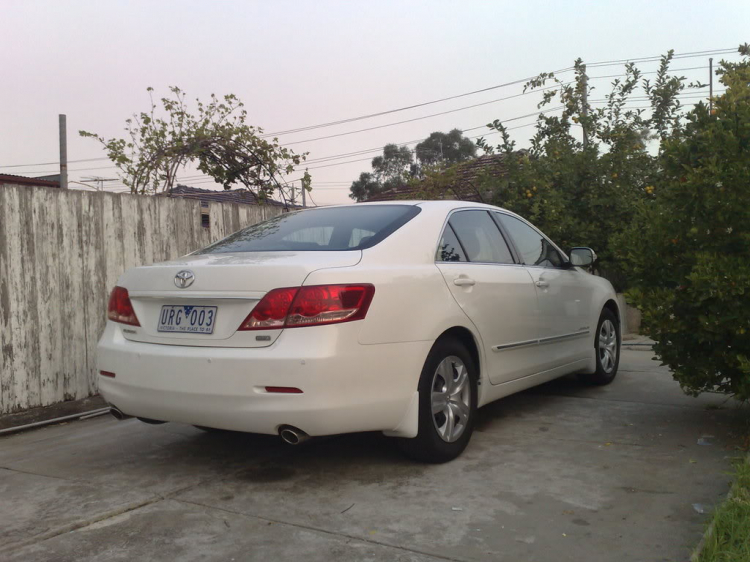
[
  {"x": 292, "y": 436},
  {"x": 118, "y": 414}
]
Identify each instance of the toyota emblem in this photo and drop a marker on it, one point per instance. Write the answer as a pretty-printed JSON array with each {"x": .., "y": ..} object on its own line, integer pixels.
[{"x": 184, "y": 279}]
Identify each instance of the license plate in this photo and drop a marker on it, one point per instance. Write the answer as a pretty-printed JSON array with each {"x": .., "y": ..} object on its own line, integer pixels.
[{"x": 187, "y": 319}]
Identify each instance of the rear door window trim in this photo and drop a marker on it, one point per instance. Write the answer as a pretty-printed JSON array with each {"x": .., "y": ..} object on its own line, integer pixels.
[{"x": 509, "y": 244}]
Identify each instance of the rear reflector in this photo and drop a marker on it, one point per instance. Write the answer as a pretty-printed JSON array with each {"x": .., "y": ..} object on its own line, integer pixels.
[
  {"x": 293, "y": 307},
  {"x": 283, "y": 389},
  {"x": 120, "y": 309},
  {"x": 107, "y": 374}
]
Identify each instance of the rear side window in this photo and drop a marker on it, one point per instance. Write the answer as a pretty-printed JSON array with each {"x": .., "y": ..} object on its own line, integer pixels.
[
  {"x": 480, "y": 237},
  {"x": 533, "y": 248},
  {"x": 449, "y": 248},
  {"x": 355, "y": 227}
]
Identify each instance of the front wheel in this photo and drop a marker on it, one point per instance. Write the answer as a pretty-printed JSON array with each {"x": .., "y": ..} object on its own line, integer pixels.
[
  {"x": 447, "y": 404},
  {"x": 607, "y": 349}
]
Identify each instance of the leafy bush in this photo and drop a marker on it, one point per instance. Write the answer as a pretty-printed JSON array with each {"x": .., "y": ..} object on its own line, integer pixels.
[
  {"x": 585, "y": 192},
  {"x": 687, "y": 250}
]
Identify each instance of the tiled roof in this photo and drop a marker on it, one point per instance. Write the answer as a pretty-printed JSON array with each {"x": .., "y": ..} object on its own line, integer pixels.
[
  {"x": 24, "y": 180},
  {"x": 463, "y": 186},
  {"x": 244, "y": 196}
]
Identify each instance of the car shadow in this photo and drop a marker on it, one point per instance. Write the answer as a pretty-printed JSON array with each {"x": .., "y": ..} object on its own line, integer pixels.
[{"x": 265, "y": 458}]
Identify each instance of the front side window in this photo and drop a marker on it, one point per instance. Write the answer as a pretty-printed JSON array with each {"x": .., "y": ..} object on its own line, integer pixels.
[
  {"x": 355, "y": 227},
  {"x": 480, "y": 237},
  {"x": 534, "y": 249}
]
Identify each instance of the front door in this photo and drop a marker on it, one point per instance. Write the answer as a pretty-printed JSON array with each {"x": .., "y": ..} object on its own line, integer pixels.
[{"x": 564, "y": 297}]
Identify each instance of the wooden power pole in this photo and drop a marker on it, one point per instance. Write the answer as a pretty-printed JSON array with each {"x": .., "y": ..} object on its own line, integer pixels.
[
  {"x": 63, "y": 152},
  {"x": 585, "y": 107}
]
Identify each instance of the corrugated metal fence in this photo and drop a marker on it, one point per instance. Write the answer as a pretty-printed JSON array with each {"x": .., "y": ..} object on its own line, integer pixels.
[{"x": 61, "y": 253}]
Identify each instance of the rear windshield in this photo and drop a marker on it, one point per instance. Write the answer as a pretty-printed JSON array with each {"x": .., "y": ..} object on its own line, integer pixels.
[{"x": 339, "y": 228}]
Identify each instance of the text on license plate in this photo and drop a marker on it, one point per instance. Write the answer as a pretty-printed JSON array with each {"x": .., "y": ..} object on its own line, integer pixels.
[{"x": 189, "y": 319}]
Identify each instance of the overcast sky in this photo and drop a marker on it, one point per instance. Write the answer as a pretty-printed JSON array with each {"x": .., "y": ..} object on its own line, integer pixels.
[{"x": 302, "y": 63}]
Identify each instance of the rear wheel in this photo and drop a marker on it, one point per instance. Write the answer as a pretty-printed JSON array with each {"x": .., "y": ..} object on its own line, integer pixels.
[
  {"x": 607, "y": 349},
  {"x": 447, "y": 404}
]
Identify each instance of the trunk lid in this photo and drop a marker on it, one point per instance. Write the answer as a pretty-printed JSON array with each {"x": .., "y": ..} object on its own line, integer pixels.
[{"x": 232, "y": 283}]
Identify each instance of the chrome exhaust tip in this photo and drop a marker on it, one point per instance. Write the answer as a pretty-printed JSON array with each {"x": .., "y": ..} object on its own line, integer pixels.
[
  {"x": 292, "y": 436},
  {"x": 118, "y": 414}
]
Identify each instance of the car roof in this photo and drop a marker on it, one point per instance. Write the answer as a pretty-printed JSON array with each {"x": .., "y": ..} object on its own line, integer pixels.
[{"x": 443, "y": 204}]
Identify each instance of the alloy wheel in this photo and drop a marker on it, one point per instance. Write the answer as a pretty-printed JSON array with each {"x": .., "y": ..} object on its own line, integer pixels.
[
  {"x": 607, "y": 346},
  {"x": 451, "y": 398}
]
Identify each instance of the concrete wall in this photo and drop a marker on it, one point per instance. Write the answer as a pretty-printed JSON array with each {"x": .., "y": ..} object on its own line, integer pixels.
[{"x": 61, "y": 253}]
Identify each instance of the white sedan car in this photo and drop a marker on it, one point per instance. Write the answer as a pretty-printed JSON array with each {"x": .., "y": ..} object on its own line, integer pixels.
[{"x": 400, "y": 317}]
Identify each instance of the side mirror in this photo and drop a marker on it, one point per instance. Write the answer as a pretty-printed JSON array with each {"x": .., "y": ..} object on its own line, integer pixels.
[{"x": 582, "y": 257}]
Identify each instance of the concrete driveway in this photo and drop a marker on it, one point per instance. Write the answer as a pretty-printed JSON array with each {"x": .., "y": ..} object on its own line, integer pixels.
[{"x": 562, "y": 472}]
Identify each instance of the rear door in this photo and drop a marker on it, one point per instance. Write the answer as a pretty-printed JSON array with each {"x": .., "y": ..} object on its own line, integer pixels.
[
  {"x": 564, "y": 296},
  {"x": 495, "y": 293}
]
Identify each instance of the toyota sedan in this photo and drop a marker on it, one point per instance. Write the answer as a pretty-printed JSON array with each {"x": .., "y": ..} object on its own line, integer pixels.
[{"x": 399, "y": 317}]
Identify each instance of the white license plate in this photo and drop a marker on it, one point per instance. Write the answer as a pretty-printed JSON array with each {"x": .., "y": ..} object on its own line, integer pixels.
[{"x": 187, "y": 319}]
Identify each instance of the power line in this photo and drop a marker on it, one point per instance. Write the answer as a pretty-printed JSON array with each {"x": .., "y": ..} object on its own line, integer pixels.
[
  {"x": 54, "y": 163},
  {"x": 512, "y": 83},
  {"x": 526, "y": 93},
  {"x": 686, "y": 95},
  {"x": 596, "y": 64},
  {"x": 515, "y": 82}
]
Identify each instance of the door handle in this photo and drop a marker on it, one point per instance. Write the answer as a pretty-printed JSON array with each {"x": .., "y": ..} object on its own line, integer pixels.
[
  {"x": 542, "y": 284},
  {"x": 464, "y": 281}
]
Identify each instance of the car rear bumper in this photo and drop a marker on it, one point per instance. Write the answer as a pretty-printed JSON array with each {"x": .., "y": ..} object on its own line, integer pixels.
[{"x": 346, "y": 387}]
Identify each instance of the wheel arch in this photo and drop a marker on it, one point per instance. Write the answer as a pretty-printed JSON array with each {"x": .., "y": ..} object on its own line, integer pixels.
[
  {"x": 466, "y": 337},
  {"x": 612, "y": 305}
]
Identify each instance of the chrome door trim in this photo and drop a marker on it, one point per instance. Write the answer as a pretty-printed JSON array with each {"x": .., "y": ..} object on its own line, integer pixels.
[
  {"x": 503, "y": 347},
  {"x": 542, "y": 341},
  {"x": 571, "y": 336}
]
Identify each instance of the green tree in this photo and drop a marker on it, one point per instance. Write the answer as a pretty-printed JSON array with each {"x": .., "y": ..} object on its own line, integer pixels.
[
  {"x": 365, "y": 187},
  {"x": 394, "y": 166},
  {"x": 587, "y": 168},
  {"x": 217, "y": 138},
  {"x": 445, "y": 149},
  {"x": 391, "y": 169},
  {"x": 688, "y": 248}
]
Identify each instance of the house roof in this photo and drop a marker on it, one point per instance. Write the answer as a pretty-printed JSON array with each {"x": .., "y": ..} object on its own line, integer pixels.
[
  {"x": 243, "y": 196},
  {"x": 463, "y": 186},
  {"x": 24, "y": 180}
]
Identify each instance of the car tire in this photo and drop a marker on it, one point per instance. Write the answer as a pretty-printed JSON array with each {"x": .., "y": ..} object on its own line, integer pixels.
[
  {"x": 607, "y": 349},
  {"x": 448, "y": 379}
]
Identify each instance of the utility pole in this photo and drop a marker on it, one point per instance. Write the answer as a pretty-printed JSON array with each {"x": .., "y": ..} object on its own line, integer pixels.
[
  {"x": 97, "y": 181},
  {"x": 585, "y": 107},
  {"x": 294, "y": 197},
  {"x": 304, "y": 197},
  {"x": 63, "y": 152},
  {"x": 710, "y": 86}
]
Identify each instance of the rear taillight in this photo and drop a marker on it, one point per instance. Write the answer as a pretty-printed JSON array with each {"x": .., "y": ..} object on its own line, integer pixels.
[
  {"x": 294, "y": 307},
  {"x": 120, "y": 309}
]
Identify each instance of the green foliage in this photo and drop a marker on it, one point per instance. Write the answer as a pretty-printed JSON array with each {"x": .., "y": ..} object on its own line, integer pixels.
[
  {"x": 445, "y": 149},
  {"x": 687, "y": 250},
  {"x": 391, "y": 169},
  {"x": 586, "y": 192},
  {"x": 216, "y": 137},
  {"x": 365, "y": 187},
  {"x": 729, "y": 541},
  {"x": 394, "y": 165}
]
